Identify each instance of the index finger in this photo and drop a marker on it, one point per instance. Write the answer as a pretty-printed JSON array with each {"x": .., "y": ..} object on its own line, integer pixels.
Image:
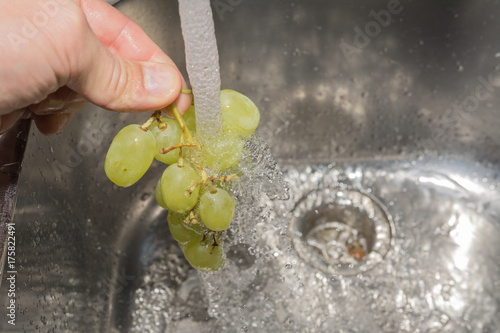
[{"x": 125, "y": 38}]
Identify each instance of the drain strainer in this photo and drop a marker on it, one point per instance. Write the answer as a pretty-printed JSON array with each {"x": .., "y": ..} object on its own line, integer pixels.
[{"x": 342, "y": 232}]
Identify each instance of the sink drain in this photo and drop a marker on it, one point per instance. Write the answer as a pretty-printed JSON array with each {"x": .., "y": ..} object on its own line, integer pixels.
[{"x": 342, "y": 232}]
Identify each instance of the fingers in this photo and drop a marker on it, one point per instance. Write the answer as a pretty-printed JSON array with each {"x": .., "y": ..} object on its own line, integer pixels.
[
  {"x": 57, "y": 102},
  {"x": 119, "y": 84},
  {"x": 121, "y": 68},
  {"x": 183, "y": 102},
  {"x": 120, "y": 34},
  {"x": 55, "y": 112},
  {"x": 95, "y": 53},
  {"x": 8, "y": 120},
  {"x": 52, "y": 123}
]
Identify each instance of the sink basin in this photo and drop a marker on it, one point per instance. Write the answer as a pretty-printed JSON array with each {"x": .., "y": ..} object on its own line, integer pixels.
[{"x": 383, "y": 118}]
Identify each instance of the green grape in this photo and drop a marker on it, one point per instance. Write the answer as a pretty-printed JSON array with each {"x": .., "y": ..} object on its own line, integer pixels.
[
  {"x": 180, "y": 231},
  {"x": 217, "y": 210},
  {"x": 203, "y": 256},
  {"x": 166, "y": 138},
  {"x": 175, "y": 182},
  {"x": 222, "y": 152},
  {"x": 159, "y": 195},
  {"x": 130, "y": 155},
  {"x": 190, "y": 119},
  {"x": 239, "y": 114}
]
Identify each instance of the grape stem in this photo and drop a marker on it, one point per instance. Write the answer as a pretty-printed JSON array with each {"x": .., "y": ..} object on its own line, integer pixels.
[
  {"x": 192, "y": 218},
  {"x": 214, "y": 244},
  {"x": 155, "y": 116},
  {"x": 224, "y": 178},
  {"x": 188, "y": 91},
  {"x": 205, "y": 179},
  {"x": 184, "y": 131},
  {"x": 179, "y": 145},
  {"x": 213, "y": 189},
  {"x": 182, "y": 124},
  {"x": 214, "y": 235}
]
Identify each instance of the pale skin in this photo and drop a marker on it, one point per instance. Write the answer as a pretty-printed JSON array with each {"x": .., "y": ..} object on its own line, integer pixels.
[{"x": 57, "y": 55}]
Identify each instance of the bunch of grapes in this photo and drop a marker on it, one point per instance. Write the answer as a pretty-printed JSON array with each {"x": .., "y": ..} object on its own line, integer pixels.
[{"x": 193, "y": 187}]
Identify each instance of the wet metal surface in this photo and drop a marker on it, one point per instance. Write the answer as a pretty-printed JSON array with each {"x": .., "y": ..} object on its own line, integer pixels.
[
  {"x": 407, "y": 112},
  {"x": 12, "y": 147}
]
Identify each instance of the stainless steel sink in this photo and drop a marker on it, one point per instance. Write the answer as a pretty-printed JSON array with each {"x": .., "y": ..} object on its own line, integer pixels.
[{"x": 384, "y": 119}]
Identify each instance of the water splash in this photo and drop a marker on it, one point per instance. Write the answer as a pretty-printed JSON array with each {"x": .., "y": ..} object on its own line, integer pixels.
[
  {"x": 440, "y": 275},
  {"x": 422, "y": 283}
]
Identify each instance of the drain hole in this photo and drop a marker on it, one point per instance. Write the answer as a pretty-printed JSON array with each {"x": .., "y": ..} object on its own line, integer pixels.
[
  {"x": 345, "y": 232},
  {"x": 339, "y": 233}
]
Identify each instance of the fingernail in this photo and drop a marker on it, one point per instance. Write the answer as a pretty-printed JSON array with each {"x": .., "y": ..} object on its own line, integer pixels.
[
  {"x": 51, "y": 106},
  {"x": 158, "y": 79},
  {"x": 73, "y": 107},
  {"x": 76, "y": 100}
]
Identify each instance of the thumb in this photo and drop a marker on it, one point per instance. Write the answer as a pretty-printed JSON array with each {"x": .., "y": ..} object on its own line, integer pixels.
[{"x": 115, "y": 83}]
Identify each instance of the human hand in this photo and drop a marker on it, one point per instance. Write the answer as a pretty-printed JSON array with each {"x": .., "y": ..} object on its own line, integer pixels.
[{"x": 58, "y": 54}]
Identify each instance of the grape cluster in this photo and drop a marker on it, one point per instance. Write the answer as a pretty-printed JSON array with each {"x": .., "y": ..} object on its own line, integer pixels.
[{"x": 193, "y": 187}]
